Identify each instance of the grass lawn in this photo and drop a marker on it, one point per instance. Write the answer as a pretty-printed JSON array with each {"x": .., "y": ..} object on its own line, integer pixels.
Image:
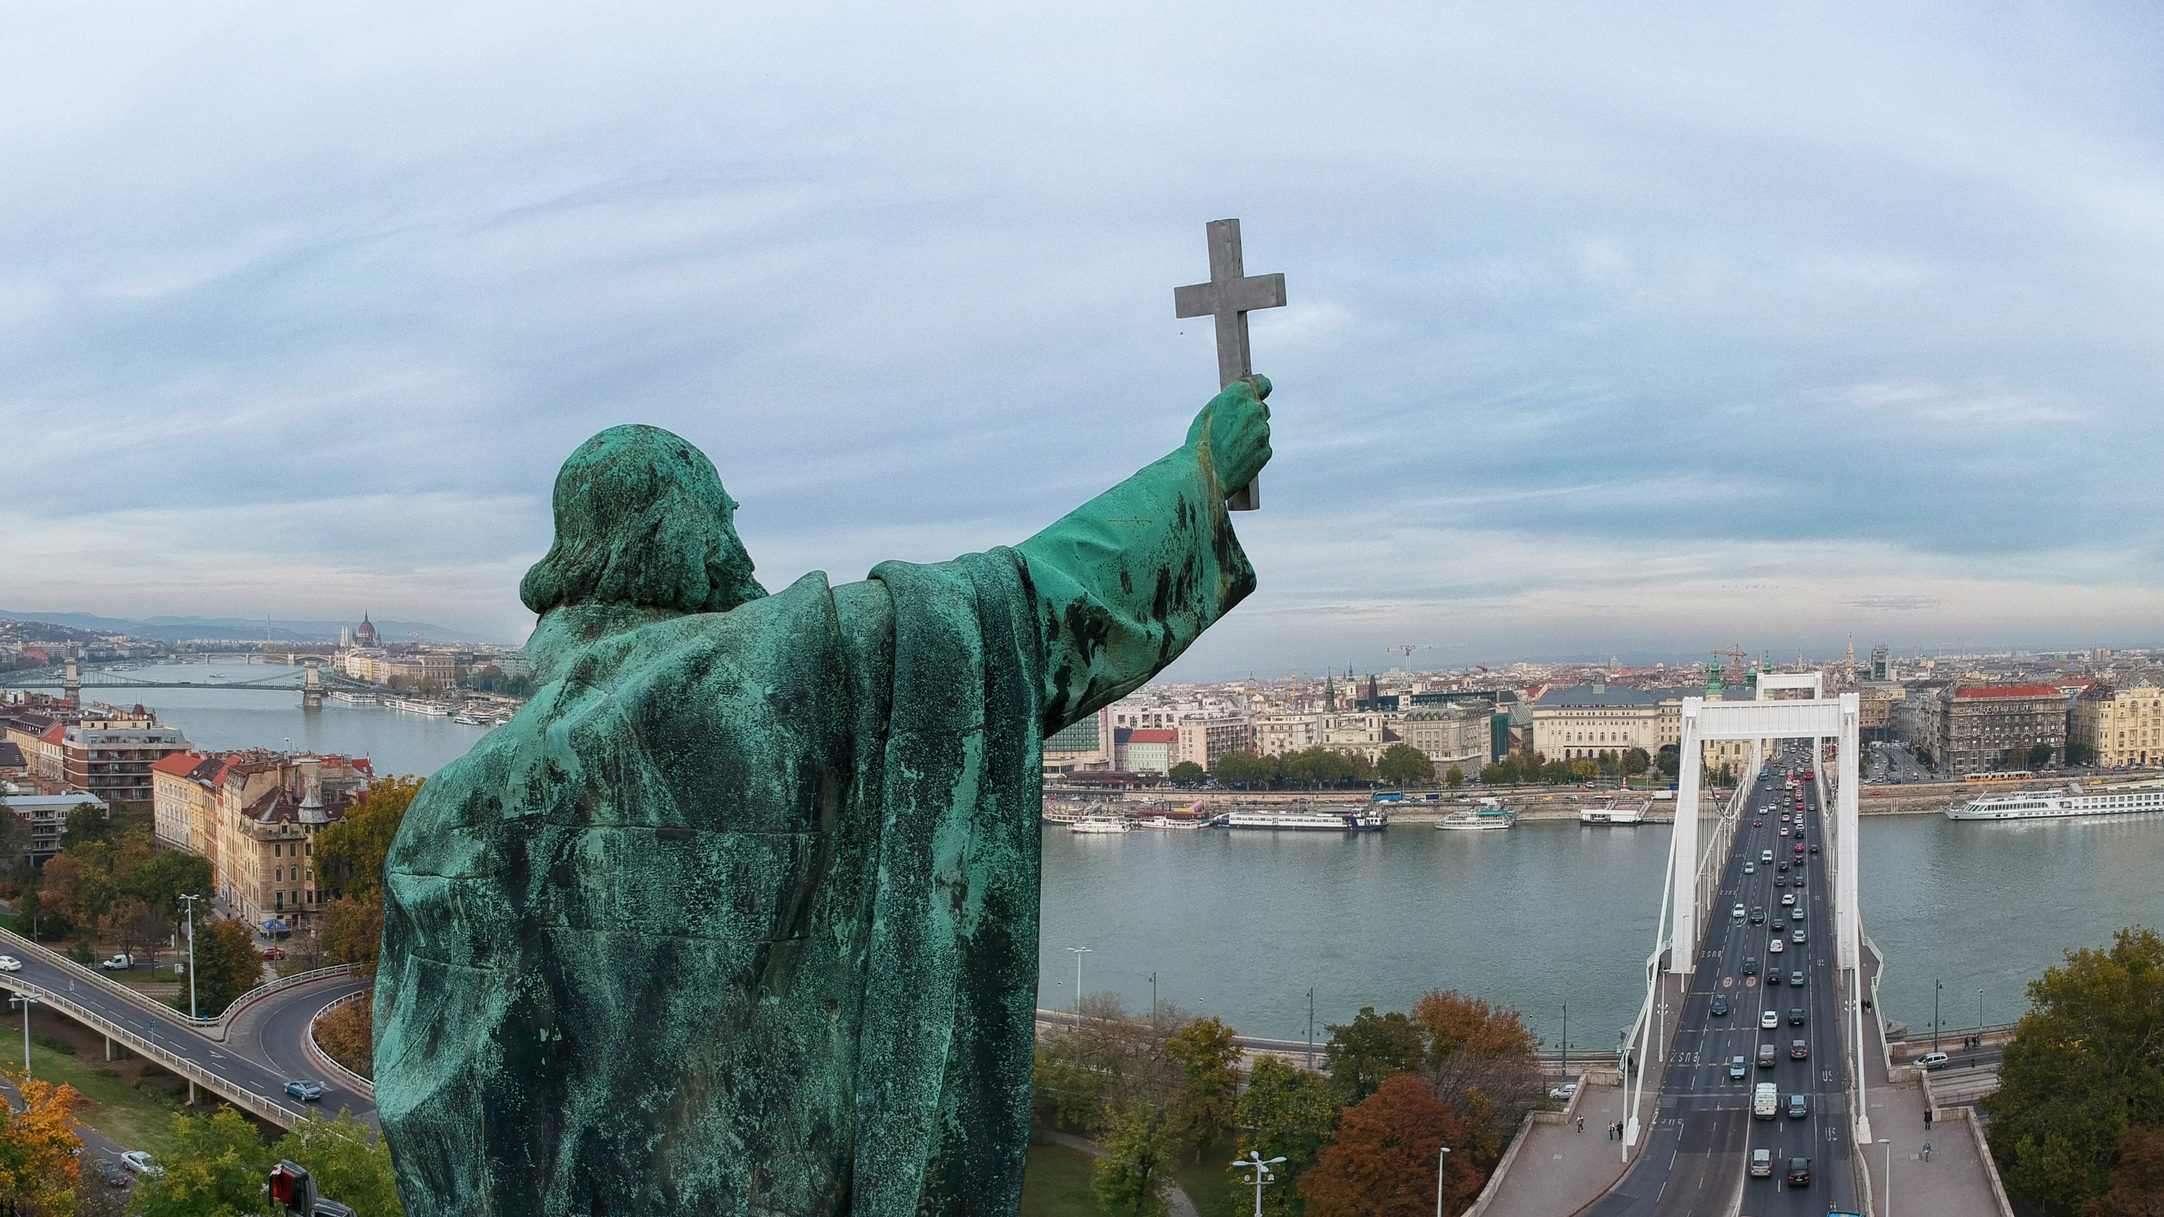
[
  {"x": 132, "y": 1113},
  {"x": 1056, "y": 1183},
  {"x": 1209, "y": 1183}
]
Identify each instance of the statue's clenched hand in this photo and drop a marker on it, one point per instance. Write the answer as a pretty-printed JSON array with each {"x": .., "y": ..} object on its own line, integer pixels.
[{"x": 1236, "y": 425}]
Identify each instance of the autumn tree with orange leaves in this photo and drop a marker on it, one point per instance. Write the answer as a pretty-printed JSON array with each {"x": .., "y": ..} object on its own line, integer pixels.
[
  {"x": 39, "y": 1174},
  {"x": 1382, "y": 1162}
]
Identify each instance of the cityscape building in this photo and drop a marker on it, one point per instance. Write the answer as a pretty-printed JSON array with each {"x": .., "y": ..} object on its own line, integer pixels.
[{"x": 254, "y": 816}]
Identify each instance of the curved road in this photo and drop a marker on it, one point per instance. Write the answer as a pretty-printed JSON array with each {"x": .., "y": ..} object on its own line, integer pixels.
[
  {"x": 1696, "y": 1155},
  {"x": 267, "y": 1049}
]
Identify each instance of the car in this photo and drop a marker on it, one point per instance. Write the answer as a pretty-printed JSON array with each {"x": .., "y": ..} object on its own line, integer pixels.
[
  {"x": 138, "y": 1161},
  {"x": 1788, "y": 899},
  {"x": 1761, "y": 1164},
  {"x": 1780, "y": 919},
  {"x": 1799, "y": 1172},
  {"x": 1782, "y": 868},
  {"x": 1799, "y": 880},
  {"x": 1796, "y": 936},
  {"x": 1749, "y": 869},
  {"x": 271, "y": 953},
  {"x": 118, "y": 963},
  {"x": 1795, "y": 980},
  {"x": 1795, "y": 1016},
  {"x": 1765, "y": 1056},
  {"x": 1758, "y": 914},
  {"x": 1934, "y": 1060},
  {"x": 1736, "y": 1068},
  {"x": 1799, "y": 1106},
  {"x": 8, "y": 963},
  {"x": 1814, "y": 847},
  {"x": 1784, "y": 830},
  {"x": 1775, "y": 947},
  {"x": 1784, "y": 817},
  {"x": 1737, "y": 914},
  {"x": 1758, "y": 823},
  {"x": 1799, "y": 1050},
  {"x": 1765, "y": 855},
  {"x": 1720, "y": 1005},
  {"x": 306, "y": 1092},
  {"x": 1769, "y": 1020},
  {"x": 1750, "y": 966},
  {"x": 1564, "y": 1091}
]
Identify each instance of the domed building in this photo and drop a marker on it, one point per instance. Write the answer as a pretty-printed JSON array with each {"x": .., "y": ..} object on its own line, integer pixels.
[{"x": 364, "y": 634}]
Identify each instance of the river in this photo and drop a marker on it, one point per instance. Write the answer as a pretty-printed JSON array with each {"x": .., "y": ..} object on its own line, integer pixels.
[{"x": 1241, "y": 925}]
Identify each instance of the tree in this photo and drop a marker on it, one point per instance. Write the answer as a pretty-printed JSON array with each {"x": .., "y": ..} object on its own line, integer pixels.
[
  {"x": 1200, "y": 1112},
  {"x": 1405, "y": 765},
  {"x": 349, "y": 854},
  {"x": 1286, "y": 1112},
  {"x": 39, "y": 1173},
  {"x": 2082, "y": 1067},
  {"x": 1383, "y": 1160},
  {"x": 215, "y": 1168},
  {"x": 1609, "y": 762},
  {"x": 2079, "y": 754},
  {"x": 1188, "y": 775},
  {"x": 162, "y": 878},
  {"x": 348, "y": 1034},
  {"x": 226, "y": 966},
  {"x": 1668, "y": 761},
  {"x": 349, "y": 1161},
  {"x": 1132, "y": 1172},
  {"x": 1454, "y": 776},
  {"x": 87, "y": 824},
  {"x": 1369, "y": 1049},
  {"x": 1480, "y": 1062},
  {"x": 2040, "y": 754},
  {"x": 1584, "y": 768},
  {"x": 2137, "y": 1179},
  {"x": 1502, "y": 772},
  {"x": 1636, "y": 762},
  {"x": 134, "y": 925},
  {"x": 352, "y": 931},
  {"x": 1241, "y": 769}
]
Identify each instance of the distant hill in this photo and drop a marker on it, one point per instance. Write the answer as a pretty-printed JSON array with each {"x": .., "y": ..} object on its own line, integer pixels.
[{"x": 174, "y": 629}]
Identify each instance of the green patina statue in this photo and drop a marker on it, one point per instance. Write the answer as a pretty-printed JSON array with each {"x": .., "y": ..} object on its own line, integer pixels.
[{"x": 739, "y": 915}]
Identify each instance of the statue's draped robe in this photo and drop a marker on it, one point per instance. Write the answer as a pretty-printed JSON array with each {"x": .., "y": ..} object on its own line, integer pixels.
[{"x": 739, "y": 914}]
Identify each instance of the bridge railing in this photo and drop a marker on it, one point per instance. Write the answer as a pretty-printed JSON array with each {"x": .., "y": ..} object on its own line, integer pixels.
[
  {"x": 240, "y": 1096},
  {"x": 351, "y": 1079},
  {"x": 213, "y": 1027}
]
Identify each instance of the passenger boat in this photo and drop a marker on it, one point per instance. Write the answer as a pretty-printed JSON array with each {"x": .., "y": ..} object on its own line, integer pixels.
[
  {"x": 1102, "y": 824},
  {"x": 468, "y": 720},
  {"x": 1060, "y": 813},
  {"x": 1486, "y": 819},
  {"x": 1310, "y": 819},
  {"x": 2071, "y": 803},
  {"x": 1613, "y": 814}
]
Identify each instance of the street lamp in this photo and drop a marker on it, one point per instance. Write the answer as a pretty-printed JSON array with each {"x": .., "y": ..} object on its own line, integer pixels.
[
  {"x": 1079, "y": 952},
  {"x": 1937, "y": 987},
  {"x": 1979, "y": 1018},
  {"x": 1889, "y": 1175},
  {"x": 190, "y": 899},
  {"x": 26, "y": 1000},
  {"x": 1254, "y": 1161},
  {"x": 1563, "y": 1068},
  {"x": 1441, "y": 1160}
]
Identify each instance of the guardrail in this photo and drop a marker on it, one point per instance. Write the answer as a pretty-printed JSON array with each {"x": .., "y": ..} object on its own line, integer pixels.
[
  {"x": 352, "y": 1080},
  {"x": 213, "y": 1028},
  {"x": 262, "y": 1106}
]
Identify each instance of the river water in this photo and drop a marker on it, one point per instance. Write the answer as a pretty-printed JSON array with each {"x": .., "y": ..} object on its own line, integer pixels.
[{"x": 1241, "y": 925}]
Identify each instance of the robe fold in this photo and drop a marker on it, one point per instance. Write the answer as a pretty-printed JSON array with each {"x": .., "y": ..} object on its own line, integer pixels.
[{"x": 739, "y": 914}]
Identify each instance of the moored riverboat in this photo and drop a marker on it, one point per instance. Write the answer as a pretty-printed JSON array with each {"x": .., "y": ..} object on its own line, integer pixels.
[{"x": 2074, "y": 802}]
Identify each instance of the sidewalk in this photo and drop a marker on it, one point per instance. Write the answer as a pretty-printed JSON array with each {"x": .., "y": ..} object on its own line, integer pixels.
[
  {"x": 1559, "y": 1169},
  {"x": 1955, "y": 1180}
]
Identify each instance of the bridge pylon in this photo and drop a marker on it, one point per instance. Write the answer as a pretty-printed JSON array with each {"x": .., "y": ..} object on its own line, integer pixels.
[
  {"x": 71, "y": 680},
  {"x": 312, "y": 687}
]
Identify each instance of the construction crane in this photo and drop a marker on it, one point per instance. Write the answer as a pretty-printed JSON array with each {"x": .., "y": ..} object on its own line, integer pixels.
[
  {"x": 1404, "y": 648},
  {"x": 1736, "y": 655}
]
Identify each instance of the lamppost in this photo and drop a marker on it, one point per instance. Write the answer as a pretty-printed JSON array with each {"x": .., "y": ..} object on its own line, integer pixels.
[
  {"x": 1441, "y": 1160},
  {"x": 1254, "y": 1161},
  {"x": 1563, "y": 1051},
  {"x": 1889, "y": 1175},
  {"x": 189, "y": 899},
  {"x": 1979, "y": 1018},
  {"x": 1079, "y": 952},
  {"x": 1311, "y": 1027},
  {"x": 26, "y": 1000},
  {"x": 1937, "y": 987}
]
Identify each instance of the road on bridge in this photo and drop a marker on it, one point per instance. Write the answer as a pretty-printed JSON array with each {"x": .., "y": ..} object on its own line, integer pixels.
[
  {"x": 268, "y": 1049},
  {"x": 1694, "y": 1161}
]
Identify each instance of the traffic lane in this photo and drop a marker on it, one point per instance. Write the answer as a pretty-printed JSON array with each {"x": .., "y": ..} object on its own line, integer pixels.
[
  {"x": 281, "y": 1039},
  {"x": 231, "y": 1065}
]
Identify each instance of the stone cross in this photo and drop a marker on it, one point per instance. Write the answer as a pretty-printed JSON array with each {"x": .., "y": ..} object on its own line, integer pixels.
[{"x": 1229, "y": 296}]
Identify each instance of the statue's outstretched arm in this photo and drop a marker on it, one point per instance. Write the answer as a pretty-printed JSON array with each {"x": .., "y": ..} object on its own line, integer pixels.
[{"x": 1126, "y": 581}]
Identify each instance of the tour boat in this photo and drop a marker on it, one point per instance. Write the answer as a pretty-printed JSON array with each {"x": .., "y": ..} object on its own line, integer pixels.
[
  {"x": 468, "y": 719},
  {"x": 1486, "y": 819},
  {"x": 1310, "y": 819},
  {"x": 2069, "y": 803},
  {"x": 1101, "y": 824},
  {"x": 1175, "y": 821},
  {"x": 1622, "y": 817}
]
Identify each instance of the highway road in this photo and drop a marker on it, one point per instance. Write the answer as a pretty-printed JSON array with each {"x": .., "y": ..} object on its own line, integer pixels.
[
  {"x": 260, "y": 1061},
  {"x": 1694, "y": 1160}
]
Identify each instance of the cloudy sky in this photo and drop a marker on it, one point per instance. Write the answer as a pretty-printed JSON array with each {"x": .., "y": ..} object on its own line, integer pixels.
[{"x": 1635, "y": 334}]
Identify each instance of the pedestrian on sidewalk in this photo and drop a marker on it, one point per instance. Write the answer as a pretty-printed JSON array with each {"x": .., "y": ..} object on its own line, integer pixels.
[
  {"x": 1927, "y": 1119},
  {"x": 1581, "y": 1123},
  {"x": 1927, "y": 1151}
]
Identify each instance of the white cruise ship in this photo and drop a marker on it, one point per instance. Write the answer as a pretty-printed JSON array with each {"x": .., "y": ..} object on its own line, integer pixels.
[
  {"x": 1487, "y": 819},
  {"x": 1616, "y": 814},
  {"x": 1311, "y": 819},
  {"x": 1101, "y": 824},
  {"x": 2061, "y": 804}
]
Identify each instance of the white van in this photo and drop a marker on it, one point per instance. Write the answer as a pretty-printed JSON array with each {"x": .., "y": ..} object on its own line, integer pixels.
[
  {"x": 1761, "y": 1163},
  {"x": 1765, "y": 1101}
]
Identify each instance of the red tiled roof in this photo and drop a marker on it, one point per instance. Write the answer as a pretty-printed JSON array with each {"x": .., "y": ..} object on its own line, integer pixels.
[
  {"x": 1153, "y": 735},
  {"x": 1974, "y": 691},
  {"x": 177, "y": 764},
  {"x": 54, "y": 736}
]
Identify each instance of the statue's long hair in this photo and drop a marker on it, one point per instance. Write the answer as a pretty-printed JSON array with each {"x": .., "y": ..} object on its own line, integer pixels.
[{"x": 642, "y": 522}]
